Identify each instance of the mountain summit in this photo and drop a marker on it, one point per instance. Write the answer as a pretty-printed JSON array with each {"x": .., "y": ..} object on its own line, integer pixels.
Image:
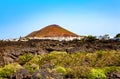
[{"x": 52, "y": 31}]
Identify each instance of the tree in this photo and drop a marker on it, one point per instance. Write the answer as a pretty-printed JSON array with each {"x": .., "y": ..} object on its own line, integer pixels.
[
  {"x": 89, "y": 38},
  {"x": 107, "y": 35},
  {"x": 118, "y": 35}
]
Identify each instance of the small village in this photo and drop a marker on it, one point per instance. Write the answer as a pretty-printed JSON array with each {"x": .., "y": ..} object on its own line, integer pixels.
[
  {"x": 56, "y": 32},
  {"x": 104, "y": 37}
]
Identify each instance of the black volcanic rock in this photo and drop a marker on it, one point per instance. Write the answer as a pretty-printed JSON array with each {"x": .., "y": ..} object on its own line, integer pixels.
[{"x": 10, "y": 51}]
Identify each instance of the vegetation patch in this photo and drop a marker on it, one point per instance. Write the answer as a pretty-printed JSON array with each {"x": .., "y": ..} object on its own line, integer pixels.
[
  {"x": 9, "y": 69},
  {"x": 95, "y": 65},
  {"x": 96, "y": 73},
  {"x": 25, "y": 58}
]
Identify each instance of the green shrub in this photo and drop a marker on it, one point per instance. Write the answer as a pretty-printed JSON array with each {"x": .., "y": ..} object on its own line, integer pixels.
[
  {"x": 78, "y": 72},
  {"x": 100, "y": 53},
  {"x": 117, "y": 35},
  {"x": 77, "y": 65},
  {"x": 25, "y": 58},
  {"x": 60, "y": 69},
  {"x": 91, "y": 58},
  {"x": 107, "y": 58},
  {"x": 89, "y": 38},
  {"x": 111, "y": 69},
  {"x": 32, "y": 67},
  {"x": 37, "y": 59},
  {"x": 56, "y": 54},
  {"x": 9, "y": 69},
  {"x": 96, "y": 73}
]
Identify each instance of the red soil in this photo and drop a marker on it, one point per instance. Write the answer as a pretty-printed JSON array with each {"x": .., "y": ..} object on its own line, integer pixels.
[{"x": 52, "y": 31}]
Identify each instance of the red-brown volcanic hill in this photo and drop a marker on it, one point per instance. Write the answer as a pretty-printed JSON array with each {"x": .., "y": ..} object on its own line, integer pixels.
[{"x": 52, "y": 31}]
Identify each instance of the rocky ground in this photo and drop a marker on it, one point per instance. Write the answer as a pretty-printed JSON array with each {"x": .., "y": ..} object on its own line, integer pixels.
[{"x": 10, "y": 51}]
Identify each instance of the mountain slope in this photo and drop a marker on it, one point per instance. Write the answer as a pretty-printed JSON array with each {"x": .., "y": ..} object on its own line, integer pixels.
[{"x": 52, "y": 31}]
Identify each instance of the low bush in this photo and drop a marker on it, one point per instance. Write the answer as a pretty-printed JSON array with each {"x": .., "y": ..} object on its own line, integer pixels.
[
  {"x": 60, "y": 69},
  {"x": 9, "y": 69},
  {"x": 32, "y": 67},
  {"x": 78, "y": 72},
  {"x": 25, "y": 58},
  {"x": 76, "y": 65},
  {"x": 96, "y": 73},
  {"x": 88, "y": 38}
]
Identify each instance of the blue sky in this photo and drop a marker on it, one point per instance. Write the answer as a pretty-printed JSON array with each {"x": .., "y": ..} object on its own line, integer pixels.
[{"x": 83, "y": 17}]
